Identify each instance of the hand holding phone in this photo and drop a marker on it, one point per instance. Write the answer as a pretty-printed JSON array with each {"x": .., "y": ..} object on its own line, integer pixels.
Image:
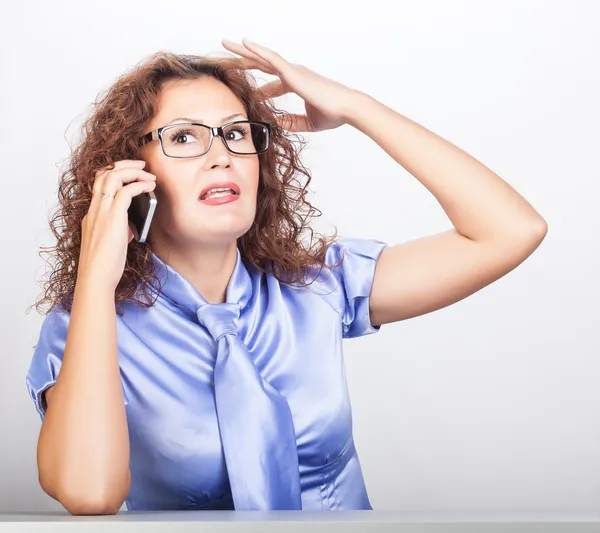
[{"x": 104, "y": 235}]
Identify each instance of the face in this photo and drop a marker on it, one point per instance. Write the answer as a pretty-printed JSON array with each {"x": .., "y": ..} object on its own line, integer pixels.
[{"x": 181, "y": 217}]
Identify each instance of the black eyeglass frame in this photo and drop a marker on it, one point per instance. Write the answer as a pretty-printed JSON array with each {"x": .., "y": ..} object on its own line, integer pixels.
[{"x": 157, "y": 134}]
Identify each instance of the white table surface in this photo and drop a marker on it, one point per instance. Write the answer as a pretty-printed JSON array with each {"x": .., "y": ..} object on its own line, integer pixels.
[{"x": 303, "y": 521}]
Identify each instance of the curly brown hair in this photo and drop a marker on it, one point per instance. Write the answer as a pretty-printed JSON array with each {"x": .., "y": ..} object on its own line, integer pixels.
[{"x": 283, "y": 214}]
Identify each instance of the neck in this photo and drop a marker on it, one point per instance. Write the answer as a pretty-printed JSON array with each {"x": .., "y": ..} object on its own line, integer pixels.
[{"x": 208, "y": 267}]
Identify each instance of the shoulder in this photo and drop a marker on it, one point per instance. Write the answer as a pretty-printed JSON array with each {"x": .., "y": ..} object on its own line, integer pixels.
[
  {"x": 347, "y": 259},
  {"x": 351, "y": 249},
  {"x": 347, "y": 273},
  {"x": 55, "y": 324}
]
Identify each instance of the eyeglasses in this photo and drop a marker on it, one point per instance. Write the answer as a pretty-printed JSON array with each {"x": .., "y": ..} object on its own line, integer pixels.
[{"x": 189, "y": 139}]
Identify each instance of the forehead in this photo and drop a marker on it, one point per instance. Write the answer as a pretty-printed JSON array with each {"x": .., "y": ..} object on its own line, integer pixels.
[{"x": 206, "y": 98}]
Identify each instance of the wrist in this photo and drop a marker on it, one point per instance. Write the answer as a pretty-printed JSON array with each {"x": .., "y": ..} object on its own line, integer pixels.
[{"x": 91, "y": 282}]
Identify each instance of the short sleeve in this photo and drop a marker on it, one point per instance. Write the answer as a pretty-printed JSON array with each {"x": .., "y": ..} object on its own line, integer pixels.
[
  {"x": 349, "y": 284},
  {"x": 48, "y": 356}
]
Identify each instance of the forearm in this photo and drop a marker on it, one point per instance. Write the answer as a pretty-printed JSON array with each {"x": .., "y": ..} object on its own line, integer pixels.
[
  {"x": 480, "y": 204},
  {"x": 83, "y": 450}
]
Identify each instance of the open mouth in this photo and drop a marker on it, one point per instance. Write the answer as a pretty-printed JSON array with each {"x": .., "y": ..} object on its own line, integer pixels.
[
  {"x": 218, "y": 192},
  {"x": 219, "y": 195}
]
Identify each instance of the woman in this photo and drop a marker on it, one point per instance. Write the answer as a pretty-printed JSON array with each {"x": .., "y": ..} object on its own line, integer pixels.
[{"x": 203, "y": 369}]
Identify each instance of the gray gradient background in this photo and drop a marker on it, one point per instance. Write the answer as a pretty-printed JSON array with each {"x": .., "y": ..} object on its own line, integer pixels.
[{"x": 491, "y": 404}]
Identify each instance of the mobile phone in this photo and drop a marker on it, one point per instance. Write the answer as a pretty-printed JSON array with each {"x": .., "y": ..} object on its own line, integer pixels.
[{"x": 140, "y": 214}]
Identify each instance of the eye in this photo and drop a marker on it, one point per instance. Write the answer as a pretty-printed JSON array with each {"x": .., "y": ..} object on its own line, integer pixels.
[
  {"x": 239, "y": 129},
  {"x": 181, "y": 134}
]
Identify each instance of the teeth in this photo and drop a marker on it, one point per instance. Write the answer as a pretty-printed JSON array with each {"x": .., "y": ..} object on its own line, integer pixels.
[{"x": 215, "y": 191}]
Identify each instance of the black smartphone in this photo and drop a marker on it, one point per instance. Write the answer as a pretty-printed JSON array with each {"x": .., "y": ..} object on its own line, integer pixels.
[{"x": 140, "y": 214}]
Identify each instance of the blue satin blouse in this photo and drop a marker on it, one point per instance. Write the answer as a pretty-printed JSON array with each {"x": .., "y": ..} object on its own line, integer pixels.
[{"x": 239, "y": 405}]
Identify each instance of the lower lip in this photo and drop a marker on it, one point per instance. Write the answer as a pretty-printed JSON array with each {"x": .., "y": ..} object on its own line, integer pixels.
[{"x": 221, "y": 199}]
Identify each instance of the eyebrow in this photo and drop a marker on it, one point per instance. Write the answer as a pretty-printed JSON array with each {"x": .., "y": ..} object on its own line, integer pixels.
[{"x": 201, "y": 120}]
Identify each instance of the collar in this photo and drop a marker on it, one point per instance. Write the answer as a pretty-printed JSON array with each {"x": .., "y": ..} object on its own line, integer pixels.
[{"x": 179, "y": 291}]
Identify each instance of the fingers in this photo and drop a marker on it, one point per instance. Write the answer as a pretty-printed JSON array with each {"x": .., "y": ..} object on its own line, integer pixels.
[
  {"x": 268, "y": 55},
  {"x": 273, "y": 89},
  {"x": 109, "y": 181},
  {"x": 119, "y": 165},
  {"x": 249, "y": 64},
  {"x": 250, "y": 60},
  {"x": 122, "y": 200},
  {"x": 295, "y": 122}
]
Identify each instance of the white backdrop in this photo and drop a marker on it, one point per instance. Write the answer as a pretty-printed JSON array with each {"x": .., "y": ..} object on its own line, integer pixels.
[{"x": 491, "y": 404}]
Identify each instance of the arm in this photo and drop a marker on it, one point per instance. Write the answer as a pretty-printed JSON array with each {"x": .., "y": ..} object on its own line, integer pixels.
[
  {"x": 83, "y": 448},
  {"x": 495, "y": 229}
]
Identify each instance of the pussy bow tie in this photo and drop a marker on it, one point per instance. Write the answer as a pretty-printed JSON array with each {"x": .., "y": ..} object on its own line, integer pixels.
[{"x": 255, "y": 421}]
